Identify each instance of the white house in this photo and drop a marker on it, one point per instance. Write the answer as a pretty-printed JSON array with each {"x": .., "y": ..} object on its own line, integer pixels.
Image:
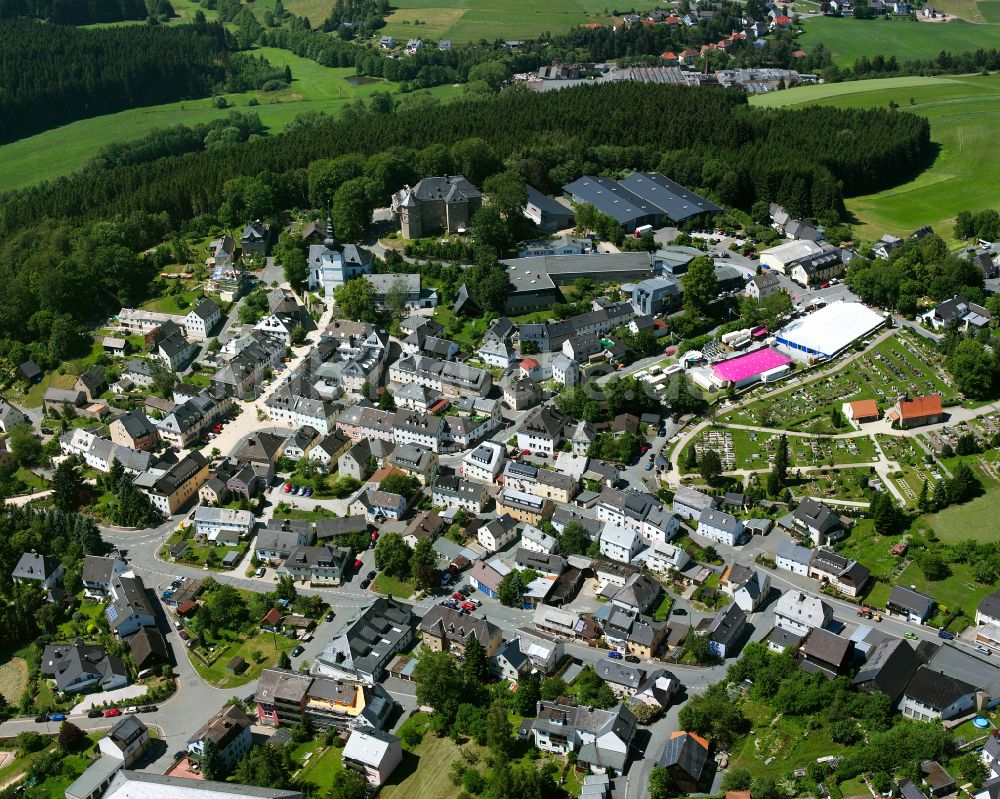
[
  {"x": 721, "y": 527},
  {"x": 662, "y": 557},
  {"x": 202, "y": 319},
  {"x": 484, "y": 463},
  {"x": 498, "y": 533},
  {"x": 542, "y": 431},
  {"x": 931, "y": 695},
  {"x": 793, "y": 558},
  {"x": 565, "y": 370},
  {"x": 534, "y": 540},
  {"x": 223, "y": 525},
  {"x": 620, "y": 543},
  {"x": 988, "y": 611},
  {"x": 229, "y": 730},
  {"x": 751, "y": 594},
  {"x": 373, "y": 753},
  {"x": 799, "y": 612}
]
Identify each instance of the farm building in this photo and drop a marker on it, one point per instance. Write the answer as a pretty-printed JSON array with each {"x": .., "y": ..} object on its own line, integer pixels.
[{"x": 828, "y": 331}]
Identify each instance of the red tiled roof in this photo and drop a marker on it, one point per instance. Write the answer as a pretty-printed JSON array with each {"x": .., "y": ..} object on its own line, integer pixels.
[
  {"x": 920, "y": 407},
  {"x": 668, "y": 56},
  {"x": 864, "y": 409}
]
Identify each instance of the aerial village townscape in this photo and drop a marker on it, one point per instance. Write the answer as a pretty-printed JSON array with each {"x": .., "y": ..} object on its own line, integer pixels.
[{"x": 466, "y": 400}]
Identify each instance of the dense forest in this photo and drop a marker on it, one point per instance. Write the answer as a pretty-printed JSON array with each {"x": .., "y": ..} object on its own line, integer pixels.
[
  {"x": 704, "y": 138},
  {"x": 75, "y": 12},
  {"x": 54, "y": 74}
]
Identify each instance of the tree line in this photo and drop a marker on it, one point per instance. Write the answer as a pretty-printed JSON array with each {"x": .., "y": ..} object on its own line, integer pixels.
[
  {"x": 74, "y": 12},
  {"x": 54, "y": 74},
  {"x": 741, "y": 153}
]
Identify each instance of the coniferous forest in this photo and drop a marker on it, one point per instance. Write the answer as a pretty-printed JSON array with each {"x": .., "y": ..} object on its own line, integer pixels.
[{"x": 54, "y": 74}]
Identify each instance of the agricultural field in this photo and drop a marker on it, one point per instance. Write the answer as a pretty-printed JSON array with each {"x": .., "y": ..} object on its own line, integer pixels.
[
  {"x": 849, "y": 39},
  {"x": 964, "y": 113},
  {"x": 472, "y": 20},
  {"x": 56, "y": 152},
  {"x": 894, "y": 367}
]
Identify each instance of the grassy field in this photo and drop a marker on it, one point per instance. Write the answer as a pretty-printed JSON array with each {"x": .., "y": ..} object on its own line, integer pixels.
[
  {"x": 323, "y": 767},
  {"x": 62, "y": 150},
  {"x": 965, "y": 121},
  {"x": 971, "y": 520},
  {"x": 387, "y": 584},
  {"x": 267, "y": 645},
  {"x": 13, "y": 679},
  {"x": 425, "y": 769},
  {"x": 472, "y": 20},
  {"x": 850, "y": 39}
]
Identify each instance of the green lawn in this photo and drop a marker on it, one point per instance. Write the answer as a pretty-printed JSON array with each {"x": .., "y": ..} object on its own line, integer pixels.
[
  {"x": 72, "y": 369},
  {"x": 387, "y": 584},
  {"x": 848, "y": 39},
  {"x": 959, "y": 590},
  {"x": 866, "y": 546},
  {"x": 322, "y": 768},
  {"x": 62, "y": 150},
  {"x": 779, "y": 746},
  {"x": 970, "y": 520},
  {"x": 965, "y": 121},
  {"x": 173, "y": 303},
  {"x": 267, "y": 644}
]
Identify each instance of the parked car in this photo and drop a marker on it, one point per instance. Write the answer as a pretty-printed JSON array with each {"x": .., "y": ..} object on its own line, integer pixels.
[
  {"x": 95, "y": 713},
  {"x": 297, "y": 650},
  {"x": 132, "y": 709},
  {"x": 287, "y": 488},
  {"x": 329, "y": 615},
  {"x": 357, "y": 565},
  {"x": 175, "y": 584},
  {"x": 911, "y": 635},
  {"x": 468, "y": 607},
  {"x": 111, "y": 712},
  {"x": 365, "y": 583},
  {"x": 631, "y": 658},
  {"x": 984, "y": 649},
  {"x": 458, "y": 596},
  {"x": 649, "y": 466},
  {"x": 41, "y": 719},
  {"x": 947, "y": 636},
  {"x": 450, "y": 604},
  {"x": 260, "y": 572},
  {"x": 183, "y": 634},
  {"x": 615, "y": 655},
  {"x": 308, "y": 492},
  {"x": 679, "y": 612},
  {"x": 468, "y": 590},
  {"x": 57, "y": 717},
  {"x": 371, "y": 574}
]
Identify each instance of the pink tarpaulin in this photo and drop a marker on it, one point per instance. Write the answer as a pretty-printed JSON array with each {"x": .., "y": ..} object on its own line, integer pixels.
[{"x": 754, "y": 363}]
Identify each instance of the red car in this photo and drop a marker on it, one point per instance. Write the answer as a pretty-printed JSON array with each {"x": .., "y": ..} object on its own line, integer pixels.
[
  {"x": 458, "y": 597},
  {"x": 468, "y": 607},
  {"x": 287, "y": 487},
  {"x": 824, "y": 285},
  {"x": 111, "y": 712},
  {"x": 357, "y": 565}
]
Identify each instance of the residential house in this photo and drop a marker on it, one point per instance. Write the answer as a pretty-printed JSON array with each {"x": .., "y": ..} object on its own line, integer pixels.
[
  {"x": 130, "y": 607},
  {"x": 826, "y": 653},
  {"x": 889, "y": 666},
  {"x": 320, "y": 565},
  {"x": 655, "y": 296},
  {"x": 640, "y": 594},
  {"x": 43, "y": 571},
  {"x": 99, "y": 572},
  {"x": 793, "y": 558},
  {"x": 424, "y": 525},
  {"x": 449, "y": 491},
  {"x": 92, "y": 383},
  {"x": 415, "y": 461},
  {"x": 801, "y": 613},
  {"x": 548, "y": 565},
  {"x": 202, "y": 319},
  {"x": 988, "y": 611},
  {"x": 253, "y": 240},
  {"x": 911, "y": 604},
  {"x": 846, "y": 576},
  {"x": 520, "y": 393},
  {"x": 275, "y": 544},
  {"x": 523, "y": 507},
  {"x": 509, "y": 662},
  {"x": 663, "y": 558},
  {"x": 127, "y": 784},
  {"x": 365, "y": 644},
  {"x": 542, "y": 430},
  {"x": 550, "y": 215},
  {"x": 959, "y": 311},
  {"x": 498, "y": 533},
  {"x": 77, "y": 667},
  {"x": 497, "y": 348},
  {"x": 726, "y": 631},
  {"x": 565, "y": 370},
  {"x": 134, "y": 430},
  {"x": 620, "y": 543},
  {"x": 332, "y": 529},
  {"x": 148, "y": 648},
  {"x": 689, "y": 503},
  {"x": 412, "y": 427},
  {"x": 685, "y": 757},
  {"x": 223, "y": 525},
  {"x": 600, "y": 738},
  {"x": 355, "y": 462},
  {"x": 623, "y": 679},
  {"x": 179, "y": 483},
  {"x": 764, "y": 285},
  {"x": 286, "y": 699},
  {"x": 932, "y": 695},
  {"x": 300, "y": 443},
  {"x": 483, "y": 577},
  {"x": 720, "y": 527},
  {"x": 583, "y": 436},
  {"x": 373, "y": 753},
  {"x": 297, "y": 405},
  {"x": 229, "y": 731},
  {"x": 534, "y": 540},
  {"x": 126, "y": 741},
  {"x": 484, "y": 463},
  {"x": 56, "y": 400},
  {"x": 752, "y": 593},
  {"x": 443, "y": 629},
  {"x": 379, "y": 505},
  {"x": 10, "y": 417},
  {"x": 813, "y": 520}
]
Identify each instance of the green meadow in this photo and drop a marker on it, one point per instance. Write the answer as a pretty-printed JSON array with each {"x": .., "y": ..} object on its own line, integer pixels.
[
  {"x": 964, "y": 113},
  {"x": 62, "y": 150}
]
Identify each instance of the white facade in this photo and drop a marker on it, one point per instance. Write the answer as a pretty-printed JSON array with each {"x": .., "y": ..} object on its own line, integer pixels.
[
  {"x": 496, "y": 535},
  {"x": 620, "y": 543},
  {"x": 800, "y": 613},
  {"x": 565, "y": 370},
  {"x": 534, "y": 540},
  {"x": 721, "y": 527},
  {"x": 661, "y": 558},
  {"x": 484, "y": 463}
]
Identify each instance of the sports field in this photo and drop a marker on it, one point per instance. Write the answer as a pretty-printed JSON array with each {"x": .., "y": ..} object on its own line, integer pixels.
[
  {"x": 848, "y": 39},
  {"x": 61, "y": 150},
  {"x": 964, "y": 113}
]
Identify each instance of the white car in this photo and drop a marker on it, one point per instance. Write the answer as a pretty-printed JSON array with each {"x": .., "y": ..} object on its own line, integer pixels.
[
  {"x": 260, "y": 572},
  {"x": 131, "y": 709}
]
